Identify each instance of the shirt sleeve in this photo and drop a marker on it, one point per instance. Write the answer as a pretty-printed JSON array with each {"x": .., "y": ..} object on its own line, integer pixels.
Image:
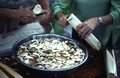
[
  {"x": 115, "y": 12},
  {"x": 64, "y": 6}
]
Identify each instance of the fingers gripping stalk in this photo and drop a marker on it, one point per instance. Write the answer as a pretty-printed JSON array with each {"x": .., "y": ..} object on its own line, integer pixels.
[{"x": 91, "y": 39}]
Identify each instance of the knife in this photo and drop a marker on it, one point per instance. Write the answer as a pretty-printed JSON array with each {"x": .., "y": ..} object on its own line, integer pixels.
[{"x": 40, "y": 14}]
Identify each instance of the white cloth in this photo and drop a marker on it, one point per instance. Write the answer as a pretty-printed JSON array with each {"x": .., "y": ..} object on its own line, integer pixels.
[{"x": 68, "y": 31}]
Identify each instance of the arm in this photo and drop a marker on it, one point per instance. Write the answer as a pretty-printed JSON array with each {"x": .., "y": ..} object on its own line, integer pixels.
[
  {"x": 45, "y": 5},
  {"x": 61, "y": 9},
  {"x": 112, "y": 18},
  {"x": 24, "y": 15},
  {"x": 88, "y": 26},
  {"x": 7, "y": 13},
  {"x": 62, "y": 19},
  {"x": 59, "y": 15},
  {"x": 107, "y": 19}
]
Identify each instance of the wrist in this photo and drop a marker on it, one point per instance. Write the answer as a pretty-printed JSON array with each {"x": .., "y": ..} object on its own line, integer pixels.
[
  {"x": 59, "y": 15},
  {"x": 7, "y": 13},
  {"x": 100, "y": 21},
  {"x": 16, "y": 14}
]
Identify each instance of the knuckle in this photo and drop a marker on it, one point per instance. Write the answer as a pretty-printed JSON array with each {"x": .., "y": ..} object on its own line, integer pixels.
[
  {"x": 28, "y": 15},
  {"x": 84, "y": 32},
  {"x": 79, "y": 25},
  {"x": 58, "y": 22},
  {"x": 60, "y": 19},
  {"x": 80, "y": 31},
  {"x": 91, "y": 29},
  {"x": 79, "y": 34}
]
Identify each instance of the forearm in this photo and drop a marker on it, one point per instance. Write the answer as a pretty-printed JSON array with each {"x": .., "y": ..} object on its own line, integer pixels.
[
  {"x": 59, "y": 15},
  {"x": 7, "y": 13},
  {"x": 44, "y": 4},
  {"x": 107, "y": 19}
]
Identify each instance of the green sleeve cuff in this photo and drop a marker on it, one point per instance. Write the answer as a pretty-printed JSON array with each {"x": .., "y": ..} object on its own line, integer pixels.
[
  {"x": 115, "y": 13},
  {"x": 56, "y": 10},
  {"x": 116, "y": 19}
]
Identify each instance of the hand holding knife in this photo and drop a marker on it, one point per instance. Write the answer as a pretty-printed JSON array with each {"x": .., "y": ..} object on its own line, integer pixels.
[{"x": 40, "y": 14}]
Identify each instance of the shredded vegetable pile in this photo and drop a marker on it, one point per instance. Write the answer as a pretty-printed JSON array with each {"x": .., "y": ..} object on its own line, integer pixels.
[{"x": 50, "y": 53}]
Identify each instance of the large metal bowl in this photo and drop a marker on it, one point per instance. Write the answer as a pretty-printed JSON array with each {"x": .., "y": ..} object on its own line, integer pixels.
[{"x": 50, "y": 71}]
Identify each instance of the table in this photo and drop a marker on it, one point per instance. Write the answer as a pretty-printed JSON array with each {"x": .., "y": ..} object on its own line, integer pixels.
[
  {"x": 15, "y": 35},
  {"x": 94, "y": 67}
]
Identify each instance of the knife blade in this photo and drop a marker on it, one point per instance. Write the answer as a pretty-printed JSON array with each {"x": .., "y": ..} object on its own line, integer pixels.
[{"x": 41, "y": 14}]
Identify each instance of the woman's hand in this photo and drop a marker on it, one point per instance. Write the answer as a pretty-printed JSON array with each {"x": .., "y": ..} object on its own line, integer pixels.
[
  {"x": 63, "y": 21},
  {"x": 47, "y": 19},
  {"x": 87, "y": 27},
  {"x": 26, "y": 15}
]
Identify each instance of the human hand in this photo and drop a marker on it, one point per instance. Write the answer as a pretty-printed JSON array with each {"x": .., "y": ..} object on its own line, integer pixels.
[
  {"x": 87, "y": 27},
  {"x": 26, "y": 15},
  {"x": 63, "y": 21},
  {"x": 47, "y": 19}
]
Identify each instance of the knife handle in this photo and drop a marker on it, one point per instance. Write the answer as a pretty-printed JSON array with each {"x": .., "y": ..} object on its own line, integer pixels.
[{"x": 10, "y": 71}]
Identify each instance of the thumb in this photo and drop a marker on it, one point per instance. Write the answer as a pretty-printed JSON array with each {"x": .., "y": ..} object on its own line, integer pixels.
[{"x": 31, "y": 7}]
